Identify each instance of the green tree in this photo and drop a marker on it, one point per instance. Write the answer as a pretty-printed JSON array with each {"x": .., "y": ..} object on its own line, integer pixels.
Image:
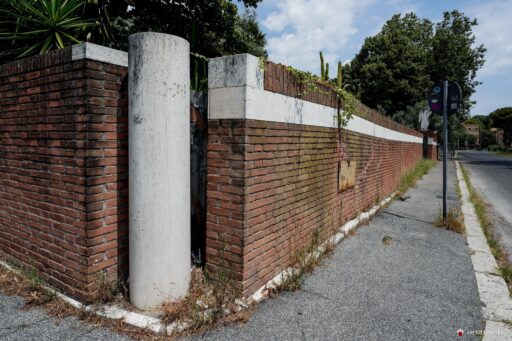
[
  {"x": 486, "y": 121},
  {"x": 474, "y": 120},
  {"x": 455, "y": 56},
  {"x": 470, "y": 140},
  {"x": 247, "y": 35},
  {"x": 213, "y": 27},
  {"x": 410, "y": 116},
  {"x": 391, "y": 70},
  {"x": 487, "y": 138},
  {"x": 502, "y": 118},
  {"x": 396, "y": 68}
]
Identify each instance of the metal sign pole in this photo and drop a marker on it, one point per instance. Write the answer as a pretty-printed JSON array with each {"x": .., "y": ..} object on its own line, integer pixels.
[{"x": 445, "y": 143}]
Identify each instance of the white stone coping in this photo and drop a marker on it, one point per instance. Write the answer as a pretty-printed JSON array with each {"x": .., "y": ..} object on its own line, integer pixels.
[
  {"x": 99, "y": 53},
  {"x": 236, "y": 91}
]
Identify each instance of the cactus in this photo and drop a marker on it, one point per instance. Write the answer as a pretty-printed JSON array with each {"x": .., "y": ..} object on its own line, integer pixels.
[
  {"x": 324, "y": 68},
  {"x": 339, "y": 80},
  {"x": 322, "y": 65}
]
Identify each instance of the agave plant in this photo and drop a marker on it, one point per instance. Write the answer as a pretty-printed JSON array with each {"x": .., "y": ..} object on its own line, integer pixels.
[{"x": 29, "y": 27}]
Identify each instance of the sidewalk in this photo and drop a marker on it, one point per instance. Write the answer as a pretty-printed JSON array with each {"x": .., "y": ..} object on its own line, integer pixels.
[{"x": 420, "y": 287}]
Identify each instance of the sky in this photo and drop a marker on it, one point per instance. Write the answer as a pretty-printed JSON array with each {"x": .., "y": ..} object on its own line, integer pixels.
[{"x": 297, "y": 30}]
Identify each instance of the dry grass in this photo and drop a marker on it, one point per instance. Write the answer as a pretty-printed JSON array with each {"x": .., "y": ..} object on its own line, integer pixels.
[
  {"x": 453, "y": 221},
  {"x": 107, "y": 291},
  {"x": 329, "y": 248},
  {"x": 501, "y": 256},
  {"x": 353, "y": 232},
  {"x": 29, "y": 286},
  {"x": 210, "y": 301},
  {"x": 363, "y": 222}
]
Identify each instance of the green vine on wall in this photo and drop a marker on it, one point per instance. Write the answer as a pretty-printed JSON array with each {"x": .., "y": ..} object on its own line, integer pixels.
[{"x": 311, "y": 83}]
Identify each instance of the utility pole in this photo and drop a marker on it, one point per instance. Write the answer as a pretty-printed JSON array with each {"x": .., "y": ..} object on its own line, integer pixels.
[
  {"x": 445, "y": 144},
  {"x": 445, "y": 99}
]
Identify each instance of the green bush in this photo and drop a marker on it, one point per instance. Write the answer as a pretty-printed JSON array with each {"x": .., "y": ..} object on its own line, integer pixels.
[{"x": 496, "y": 148}]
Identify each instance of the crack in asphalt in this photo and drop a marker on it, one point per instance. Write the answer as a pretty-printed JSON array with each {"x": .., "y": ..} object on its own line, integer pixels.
[
  {"x": 316, "y": 294},
  {"x": 406, "y": 217},
  {"x": 22, "y": 326}
]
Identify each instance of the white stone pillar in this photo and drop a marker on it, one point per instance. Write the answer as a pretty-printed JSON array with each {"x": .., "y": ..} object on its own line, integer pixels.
[{"x": 159, "y": 168}]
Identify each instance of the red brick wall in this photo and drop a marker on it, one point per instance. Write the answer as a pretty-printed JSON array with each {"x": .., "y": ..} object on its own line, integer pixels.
[
  {"x": 271, "y": 185},
  {"x": 63, "y": 169}
]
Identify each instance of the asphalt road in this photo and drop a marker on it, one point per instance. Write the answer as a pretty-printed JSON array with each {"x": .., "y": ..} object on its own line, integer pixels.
[{"x": 491, "y": 175}]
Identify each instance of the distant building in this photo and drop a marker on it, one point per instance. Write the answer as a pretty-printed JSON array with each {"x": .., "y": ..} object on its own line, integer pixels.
[
  {"x": 474, "y": 130},
  {"x": 498, "y": 135}
]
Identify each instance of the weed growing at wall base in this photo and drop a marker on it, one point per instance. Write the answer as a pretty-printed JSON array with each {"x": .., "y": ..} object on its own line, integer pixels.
[
  {"x": 303, "y": 263},
  {"x": 409, "y": 180},
  {"x": 210, "y": 300},
  {"x": 504, "y": 266}
]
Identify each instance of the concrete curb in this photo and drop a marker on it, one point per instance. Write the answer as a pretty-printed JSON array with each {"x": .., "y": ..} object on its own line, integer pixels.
[
  {"x": 493, "y": 291},
  {"x": 343, "y": 231}
]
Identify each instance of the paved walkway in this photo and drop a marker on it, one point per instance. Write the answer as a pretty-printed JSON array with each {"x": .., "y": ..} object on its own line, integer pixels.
[{"x": 420, "y": 287}]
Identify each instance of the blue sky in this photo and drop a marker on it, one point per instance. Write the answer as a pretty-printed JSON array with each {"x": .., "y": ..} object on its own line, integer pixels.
[{"x": 297, "y": 29}]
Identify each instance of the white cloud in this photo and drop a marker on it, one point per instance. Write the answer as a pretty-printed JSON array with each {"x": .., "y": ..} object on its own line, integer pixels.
[
  {"x": 494, "y": 18},
  {"x": 299, "y": 29}
]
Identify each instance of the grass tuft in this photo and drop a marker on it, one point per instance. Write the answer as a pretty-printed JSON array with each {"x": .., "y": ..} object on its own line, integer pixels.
[
  {"x": 207, "y": 302},
  {"x": 303, "y": 263},
  {"x": 409, "y": 180},
  {"x": 453, "y": 221},
  {"x": 211, "y": 301},
  {"x": 106, "y": 291}
]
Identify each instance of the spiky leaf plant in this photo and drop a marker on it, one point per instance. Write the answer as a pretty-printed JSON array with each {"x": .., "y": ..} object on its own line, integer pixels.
[{"x": 29, "y": 27}]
